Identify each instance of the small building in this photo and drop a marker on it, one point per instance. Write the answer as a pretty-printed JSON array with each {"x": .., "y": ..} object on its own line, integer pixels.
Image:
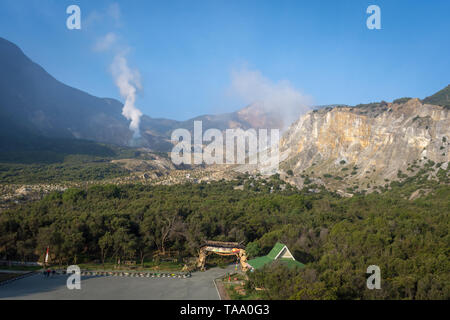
[{"x": 279, "y": 253}]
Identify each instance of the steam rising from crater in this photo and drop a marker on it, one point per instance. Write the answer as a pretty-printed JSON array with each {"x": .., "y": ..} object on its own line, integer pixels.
[{"x": 128, "y": 82}]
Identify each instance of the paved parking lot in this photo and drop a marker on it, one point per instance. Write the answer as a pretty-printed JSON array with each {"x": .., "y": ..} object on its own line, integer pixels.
[{"x": 199, "y": 287}]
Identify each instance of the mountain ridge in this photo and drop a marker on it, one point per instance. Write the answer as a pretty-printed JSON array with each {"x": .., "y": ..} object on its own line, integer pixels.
[
  {"x": 34, "y": 103},
  {"x": 36, "y": 108}
]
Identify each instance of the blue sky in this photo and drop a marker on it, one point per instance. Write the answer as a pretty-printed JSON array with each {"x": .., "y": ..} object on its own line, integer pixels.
[{"x": 186, "y": 51}]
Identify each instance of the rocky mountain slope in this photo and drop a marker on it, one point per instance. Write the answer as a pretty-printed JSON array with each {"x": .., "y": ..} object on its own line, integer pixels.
[
  {"x": 368, "y": 144},
  {"x": 32, "y": 102}
]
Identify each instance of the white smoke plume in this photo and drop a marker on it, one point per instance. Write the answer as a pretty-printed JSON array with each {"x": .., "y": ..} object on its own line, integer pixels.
[
  {"x": 128, "y": 82},
  {"x": 106, "y": 42},
  {"x": 277, "y": 98}
]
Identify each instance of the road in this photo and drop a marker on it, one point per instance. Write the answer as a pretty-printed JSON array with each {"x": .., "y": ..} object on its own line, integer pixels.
[{"x": 199, "y": 287}]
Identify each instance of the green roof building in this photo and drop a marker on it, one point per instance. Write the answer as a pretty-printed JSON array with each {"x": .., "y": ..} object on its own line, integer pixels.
[{"x": 279, "y": 253}]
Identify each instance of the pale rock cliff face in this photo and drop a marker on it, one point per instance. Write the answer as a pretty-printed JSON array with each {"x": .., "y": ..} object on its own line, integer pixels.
[{"x": 372, "y": 143}]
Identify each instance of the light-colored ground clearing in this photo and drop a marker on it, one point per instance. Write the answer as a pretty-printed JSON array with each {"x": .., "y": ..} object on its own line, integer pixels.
[{"x": 199, "y": 287}]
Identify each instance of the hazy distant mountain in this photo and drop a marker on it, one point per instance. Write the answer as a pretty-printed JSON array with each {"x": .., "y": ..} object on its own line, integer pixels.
[{"x": 157, "y": 132}]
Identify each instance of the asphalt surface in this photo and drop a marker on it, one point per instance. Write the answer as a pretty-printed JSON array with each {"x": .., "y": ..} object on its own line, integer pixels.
[{"x": 199, "y": 287}]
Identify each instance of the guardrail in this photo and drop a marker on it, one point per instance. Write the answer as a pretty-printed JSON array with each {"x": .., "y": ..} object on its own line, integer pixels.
[
  {"x": 136, "y": 274},
  {"x": 106, "y": 274},
  {"x": 130, "y": 274}
]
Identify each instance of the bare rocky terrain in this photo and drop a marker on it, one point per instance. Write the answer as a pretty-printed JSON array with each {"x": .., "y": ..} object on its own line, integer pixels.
[
  {"x": 368, "y": 144},
  {"x": 365, "y": 147}
]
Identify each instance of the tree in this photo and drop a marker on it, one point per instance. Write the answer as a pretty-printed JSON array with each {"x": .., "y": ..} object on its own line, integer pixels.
[
  {"x": 105, "y": 243},
  {"x": 169, "y": 225},
  {"x": 124, "y": 244},
  {"x": 145, "y": 241},
  {"x": 253, "y": 249}
]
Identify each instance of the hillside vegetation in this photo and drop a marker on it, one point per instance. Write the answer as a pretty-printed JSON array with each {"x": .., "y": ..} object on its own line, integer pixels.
[
  {"x": 440, "y": 98},
  {"x": 45, "y": 160},
  {"x": 337, "y": 238}
]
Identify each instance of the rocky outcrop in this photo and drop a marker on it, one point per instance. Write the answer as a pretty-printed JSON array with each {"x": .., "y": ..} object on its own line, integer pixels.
[{"x": 373, "y": 143}]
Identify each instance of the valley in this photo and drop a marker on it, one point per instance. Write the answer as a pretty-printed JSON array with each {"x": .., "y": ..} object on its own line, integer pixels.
[
  {"x": 348, "y": 150},
  {"x": 356, "y": 186}
]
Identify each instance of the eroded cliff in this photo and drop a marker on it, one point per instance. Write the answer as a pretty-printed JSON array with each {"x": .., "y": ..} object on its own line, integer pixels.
[{"x": 367, "y": 145}]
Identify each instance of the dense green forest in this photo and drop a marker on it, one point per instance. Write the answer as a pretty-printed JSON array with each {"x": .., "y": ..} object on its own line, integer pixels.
[
  {"x": 337, "y": 238},
  {"x": 67, "y": 161},
  {"x": 72, "y": 171}
]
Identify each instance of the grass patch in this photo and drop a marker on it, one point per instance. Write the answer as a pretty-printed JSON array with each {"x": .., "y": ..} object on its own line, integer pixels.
[
  {"x": 8, "y": 276},
  {"x": 20, "y": 268},
  {"x": 238, "y": 292}
]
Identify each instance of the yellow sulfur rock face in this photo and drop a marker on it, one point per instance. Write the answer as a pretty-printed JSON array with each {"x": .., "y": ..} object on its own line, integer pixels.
[{"x": 378, "y": 140}]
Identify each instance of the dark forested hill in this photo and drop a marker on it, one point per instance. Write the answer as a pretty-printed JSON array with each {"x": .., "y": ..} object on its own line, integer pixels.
[
  {"x": 440, "y": 98},
  {"x": 32, "y": 102},
  {"x": 34, "y": 106}
]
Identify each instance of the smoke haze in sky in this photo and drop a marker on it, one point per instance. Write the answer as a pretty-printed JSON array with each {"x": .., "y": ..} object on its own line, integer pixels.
[
  {"x": 106, "y": 42},
  {"x": 279, "y": 98}
]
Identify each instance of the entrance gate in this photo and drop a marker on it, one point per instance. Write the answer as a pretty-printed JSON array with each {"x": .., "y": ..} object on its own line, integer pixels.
[{"x": 223, "y": 249}]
